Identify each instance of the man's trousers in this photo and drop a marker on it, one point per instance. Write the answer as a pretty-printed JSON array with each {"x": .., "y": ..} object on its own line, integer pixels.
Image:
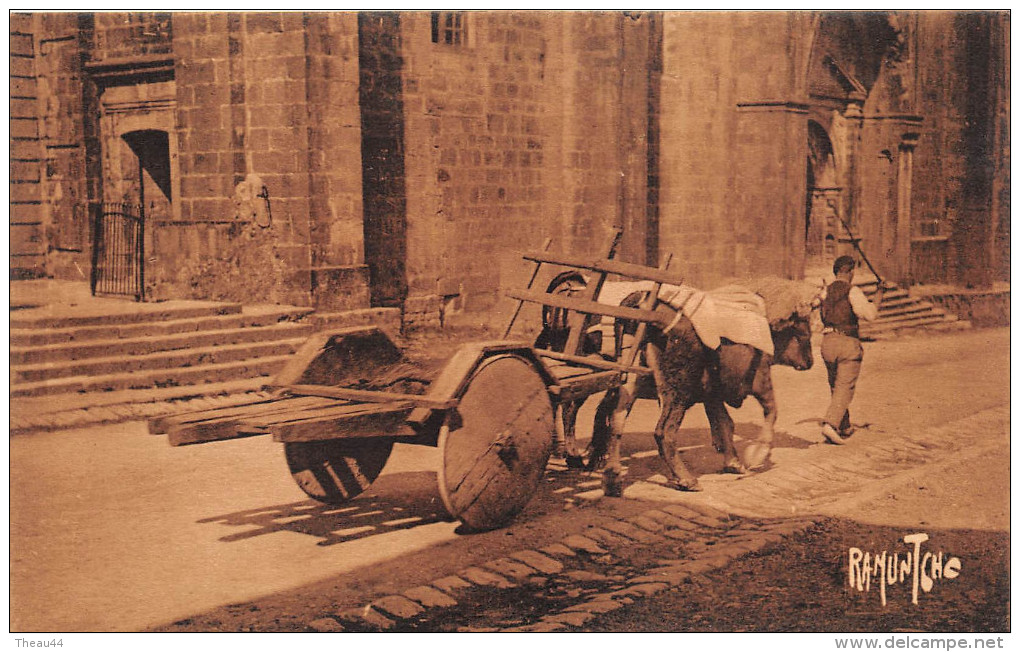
[{"x": 842, "y": 355}]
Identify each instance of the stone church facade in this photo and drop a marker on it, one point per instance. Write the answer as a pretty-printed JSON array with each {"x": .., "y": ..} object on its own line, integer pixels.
[{"x": 342, "y": 160}]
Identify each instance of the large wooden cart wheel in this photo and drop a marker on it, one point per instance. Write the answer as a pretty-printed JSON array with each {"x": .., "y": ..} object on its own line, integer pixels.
[
  {"x": 335, "y": 470},
  {"x": 496, "y": 443}
]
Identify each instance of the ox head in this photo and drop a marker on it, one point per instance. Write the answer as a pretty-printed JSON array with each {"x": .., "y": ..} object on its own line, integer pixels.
[{"x": 791, "y": 337}]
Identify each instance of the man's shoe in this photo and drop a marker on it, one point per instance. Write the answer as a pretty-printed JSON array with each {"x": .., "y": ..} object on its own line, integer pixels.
[{"x": 830, "y": 433}]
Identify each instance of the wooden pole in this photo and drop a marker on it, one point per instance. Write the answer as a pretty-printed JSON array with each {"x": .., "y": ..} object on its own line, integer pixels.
[{"x": 520, "y": 303}]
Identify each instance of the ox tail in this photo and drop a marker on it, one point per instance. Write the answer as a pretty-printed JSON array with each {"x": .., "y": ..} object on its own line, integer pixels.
[{"x": 602, "y": 430}]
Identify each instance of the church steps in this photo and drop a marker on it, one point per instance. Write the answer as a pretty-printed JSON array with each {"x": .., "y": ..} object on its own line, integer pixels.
[
  {"x": 70, "y": 317},
  {"x": 41, "y": 335},
  {"x": 183, "y": 358},
  {"x": 251, "y": 368},
  {"x": 131, "y": 346}
]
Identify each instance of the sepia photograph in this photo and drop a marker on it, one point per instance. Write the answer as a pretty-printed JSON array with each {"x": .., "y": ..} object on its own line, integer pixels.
[{"x": 689, "y": 322}]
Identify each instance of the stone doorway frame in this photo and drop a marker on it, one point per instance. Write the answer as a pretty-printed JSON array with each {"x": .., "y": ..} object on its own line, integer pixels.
[{"x": 125, "y": 111}]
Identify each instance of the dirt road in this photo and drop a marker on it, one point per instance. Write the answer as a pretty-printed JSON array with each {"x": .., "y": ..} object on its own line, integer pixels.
[{"x": 112, "y": 530}]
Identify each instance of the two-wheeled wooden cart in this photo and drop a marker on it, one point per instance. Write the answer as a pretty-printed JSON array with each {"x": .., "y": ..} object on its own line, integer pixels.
[{"x": 490, "y": 408}]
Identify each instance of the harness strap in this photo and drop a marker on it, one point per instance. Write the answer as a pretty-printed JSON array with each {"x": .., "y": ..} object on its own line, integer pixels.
[{"x": 679, "y": 309}]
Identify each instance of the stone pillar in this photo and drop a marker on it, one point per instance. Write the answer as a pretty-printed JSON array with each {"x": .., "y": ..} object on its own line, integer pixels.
[
  {"x": 771, "y": 178},
  {"x": 904, "y": 182}
]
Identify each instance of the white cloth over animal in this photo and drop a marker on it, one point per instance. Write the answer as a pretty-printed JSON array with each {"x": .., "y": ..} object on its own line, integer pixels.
[{"x": 732, "y": 312}]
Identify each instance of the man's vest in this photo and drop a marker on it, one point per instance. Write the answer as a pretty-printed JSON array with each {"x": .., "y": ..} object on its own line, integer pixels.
[{"x": 837, "y": 313}]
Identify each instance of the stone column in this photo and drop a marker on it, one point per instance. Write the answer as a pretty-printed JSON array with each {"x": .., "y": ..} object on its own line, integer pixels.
[
  {"x": 771, "y": 181},
  {"x": 904, "y": 180}
]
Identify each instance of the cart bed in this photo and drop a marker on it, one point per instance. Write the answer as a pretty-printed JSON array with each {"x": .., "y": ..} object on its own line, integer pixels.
[{"x": 288, "y": 418}]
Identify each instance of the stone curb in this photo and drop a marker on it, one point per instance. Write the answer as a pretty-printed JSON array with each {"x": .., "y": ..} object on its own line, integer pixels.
[{"x": 534, "y": 567}]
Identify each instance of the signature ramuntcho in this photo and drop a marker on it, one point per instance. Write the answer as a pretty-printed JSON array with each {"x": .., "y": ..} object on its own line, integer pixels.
[{"x": 888, "y": 569}]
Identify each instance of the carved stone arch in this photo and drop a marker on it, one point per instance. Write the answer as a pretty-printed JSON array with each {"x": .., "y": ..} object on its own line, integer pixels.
[
  {"x": 847, "y": 78},
  {"x": 823, "y": 201},
  {"x": 821, "y": 155},
  {"x": 848, "y": 50}
]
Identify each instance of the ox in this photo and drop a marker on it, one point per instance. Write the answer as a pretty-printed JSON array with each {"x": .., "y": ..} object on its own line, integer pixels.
[{"x": 686, "y": 372}]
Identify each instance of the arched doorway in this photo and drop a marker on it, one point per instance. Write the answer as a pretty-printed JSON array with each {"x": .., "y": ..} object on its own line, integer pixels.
[{"x": 823, "y": 203}]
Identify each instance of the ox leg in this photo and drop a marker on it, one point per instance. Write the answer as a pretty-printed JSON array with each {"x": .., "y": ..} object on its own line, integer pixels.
[
  {"x": 614, "y": 410},
  {"x": 670, "y": 418},
  {"x": 573, "y": 457},
  {"x": 722, "y": 431},
  {"x": 756, "y": 454},
  {"x": 761, "y": 390}
]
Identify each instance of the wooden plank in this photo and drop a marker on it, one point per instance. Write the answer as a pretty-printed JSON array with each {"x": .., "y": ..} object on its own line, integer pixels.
[
  {"x": 630, "y": 270},
  {"x": 647, "y": 304},
  {"x": 205, "y": 433},
  {"x": 589, "y": 307},
  {"x": 366, "y": 348},
  {"x": 576, "y": 322},
  {"x": 161, "y": 425},
  {"x": 274, "y": 404},
  {"x": 562, "y": 371},
  {"x": 594, "y": 363},
  {"x": 385, "y": 421},
  {"x": 420, "y": 400},
  {"x": 580, "y": 386},
  {"x": 338, "y": 410},
  {"x": 531, "y": 282},
  {"x": 225, "y": 427}
]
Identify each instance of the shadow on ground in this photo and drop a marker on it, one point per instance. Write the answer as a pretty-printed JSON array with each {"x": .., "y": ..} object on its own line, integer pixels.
[
  {"x": 396, "y": 501},
  {"x": 406, "y": 500}
]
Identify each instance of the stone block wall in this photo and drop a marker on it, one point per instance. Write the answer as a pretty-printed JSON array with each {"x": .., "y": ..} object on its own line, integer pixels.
[
  {"x": 27, "y": 243},
  {"x": 476, "y": 148},
  {"x": 336, "y": 230},
  {"x": 269, "y": 160},
  {"x": 227, "y": 128},
  {"x": 343, "y": 159},
  {"x": 120, "y": 35},
  {"x": 733, "y": 145},
  {"x": 962, "y": 170},
  {"x": 48, "y": 211},
  {"x": 516, "y": 135}
]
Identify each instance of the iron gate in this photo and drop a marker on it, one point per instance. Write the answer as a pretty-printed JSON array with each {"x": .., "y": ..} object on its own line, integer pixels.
[{"x": 118, "y": 250}]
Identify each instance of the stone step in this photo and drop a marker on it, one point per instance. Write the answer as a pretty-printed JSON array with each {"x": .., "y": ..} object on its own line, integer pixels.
[
  {"x": 907, "y": 309},
  {"x": 66, "y": 352},
  {"x": 889, "y": 295},
  {"x": 900, "y": 310},
  {"x": 206, "y": 373},
  {"x": 256, "y": 316},
  {"x": 131, "y": 314},
  {"x": 904, "y": 300},
  {"x": 30, "y": 408},
  {"x": 927, "y": 319},
  {"x": 163, "y": 360}
]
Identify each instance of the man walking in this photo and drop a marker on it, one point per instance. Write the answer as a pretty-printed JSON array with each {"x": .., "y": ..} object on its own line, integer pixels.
[{"x": 843, "y": 305}]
